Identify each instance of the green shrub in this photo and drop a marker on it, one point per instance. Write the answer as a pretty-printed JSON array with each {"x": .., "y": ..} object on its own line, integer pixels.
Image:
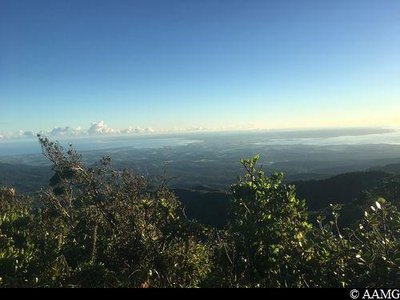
[{"x": 99, "y": 227}]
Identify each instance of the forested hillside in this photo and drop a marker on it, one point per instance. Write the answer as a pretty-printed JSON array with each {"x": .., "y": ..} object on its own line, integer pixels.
[
  {"x": 24, "y": 178},
  {"x": 95, "y": 226},
  {"x": 348, "y": 190}
]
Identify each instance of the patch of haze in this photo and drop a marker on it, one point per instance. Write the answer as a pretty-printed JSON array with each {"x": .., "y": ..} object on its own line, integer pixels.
[
  {"x": 390, "y": 138},
  {"x": 25, "y": 147}
]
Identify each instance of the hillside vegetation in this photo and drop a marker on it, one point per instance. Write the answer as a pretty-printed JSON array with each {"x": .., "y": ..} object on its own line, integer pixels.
[{"x": 95, "y": 226}]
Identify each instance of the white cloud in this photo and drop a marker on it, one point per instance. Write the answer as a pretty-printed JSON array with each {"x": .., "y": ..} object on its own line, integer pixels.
[
  {"x": 100, "y": 128},
  {"x": 131, "y": 130},
  {"x": 199, "y": 128},
  {"x": 29, "y": 134},
  {"x": 96, "y": 128},
  {"x": 127, "y": 130},
  {"x": 149, "y": 129},
  {"x": 65, "y": 131},
  {"x": 23, "y": 134}
]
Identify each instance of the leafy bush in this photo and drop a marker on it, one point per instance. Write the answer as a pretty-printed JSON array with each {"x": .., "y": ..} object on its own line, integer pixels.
[
  {"x": 99, "y": 227},
  {"x": 266, "y": 241}
]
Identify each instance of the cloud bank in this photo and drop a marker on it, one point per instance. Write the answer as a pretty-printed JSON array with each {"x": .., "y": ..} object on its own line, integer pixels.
[
  {"x": 98, "y": 128},
  {"x": 95, "y": 129}
]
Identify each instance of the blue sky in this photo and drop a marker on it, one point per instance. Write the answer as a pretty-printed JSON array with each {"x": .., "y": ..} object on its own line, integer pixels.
[{"x": 184, "y": 64}]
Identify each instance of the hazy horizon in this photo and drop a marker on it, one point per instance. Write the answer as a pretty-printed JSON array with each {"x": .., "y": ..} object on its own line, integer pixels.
[
  {"x": 103, "y": 130},
  {"x": 251, "y": 139}
]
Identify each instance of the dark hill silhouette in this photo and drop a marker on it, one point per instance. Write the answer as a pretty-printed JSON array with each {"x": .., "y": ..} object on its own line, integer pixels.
[
  {"x": 340, "y": 189},
  {"x": 24, "y": 178},
  {"x": 209, "y": 208}
]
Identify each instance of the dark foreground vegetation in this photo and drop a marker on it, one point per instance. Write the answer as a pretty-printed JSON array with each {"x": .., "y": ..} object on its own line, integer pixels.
[{"x": 99, "y": 227}]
